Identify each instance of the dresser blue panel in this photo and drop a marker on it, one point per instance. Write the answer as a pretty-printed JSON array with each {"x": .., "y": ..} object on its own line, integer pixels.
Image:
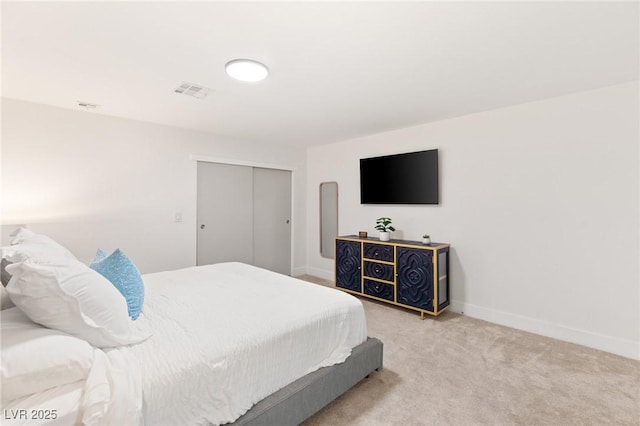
[
  {"x": 378, "y": 252},
  {"x": 348, "y": 265},
  {"x": 378, "y": 270},
  {"x": 378, "y": 289},
  {"x": 415, "y": 278}
]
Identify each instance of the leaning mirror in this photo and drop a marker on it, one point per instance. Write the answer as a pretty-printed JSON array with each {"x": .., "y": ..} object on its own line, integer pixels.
[{"x": 328, "y": 218}]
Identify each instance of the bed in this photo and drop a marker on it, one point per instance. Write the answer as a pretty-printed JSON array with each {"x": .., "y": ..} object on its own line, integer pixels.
[{"x": 229, "y": 343}]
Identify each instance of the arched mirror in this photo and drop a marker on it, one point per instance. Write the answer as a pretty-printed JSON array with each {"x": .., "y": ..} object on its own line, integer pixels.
[{"x": 328, "y": 218}]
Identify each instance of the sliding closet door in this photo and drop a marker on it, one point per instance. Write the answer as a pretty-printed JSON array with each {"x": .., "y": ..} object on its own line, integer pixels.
[
  {"x": 272, "y": 219},
  {"x": 225, "y": 213},
  {"x": 244, "y": 215}
]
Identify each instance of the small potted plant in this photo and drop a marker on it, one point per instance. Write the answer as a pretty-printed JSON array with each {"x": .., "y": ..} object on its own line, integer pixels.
[
  {"x": 426, "y": 239},
  {"x": 383, "y": 224}
]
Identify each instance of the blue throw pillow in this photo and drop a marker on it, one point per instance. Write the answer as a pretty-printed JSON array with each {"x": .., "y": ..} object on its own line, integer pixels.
[
  {"x": 100, "y": 256},
  {"x": 123, "y": 274}
]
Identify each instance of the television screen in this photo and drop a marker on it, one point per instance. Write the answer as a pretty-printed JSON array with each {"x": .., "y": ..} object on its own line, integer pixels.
[{"x": 410, "y": 178}]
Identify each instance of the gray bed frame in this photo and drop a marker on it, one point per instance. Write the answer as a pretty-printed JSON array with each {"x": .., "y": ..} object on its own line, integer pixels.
[{"x": 301, "y": 399}]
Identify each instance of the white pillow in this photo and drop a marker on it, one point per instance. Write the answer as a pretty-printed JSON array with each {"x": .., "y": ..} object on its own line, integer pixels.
[
  {"x": 72, "y": 298},
  {"x": 67, "y": 400},
  {"x": 35, "y": 358},
  {"x": 35, "y": 248},
  {"x": 5, "y": 301},
  {"x": 20, "y": 234}
]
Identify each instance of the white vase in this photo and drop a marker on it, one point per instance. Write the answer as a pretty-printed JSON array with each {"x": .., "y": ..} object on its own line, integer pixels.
[
  {"x": 426, "y": 241},
  {"x": 385, "y": 236}
]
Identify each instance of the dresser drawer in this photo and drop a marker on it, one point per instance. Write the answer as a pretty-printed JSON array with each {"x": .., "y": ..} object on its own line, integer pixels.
[
  {"x": 378, "y": 289},
  {"x": 377, "y": 270},
  {"x": 378, "y": 252}
]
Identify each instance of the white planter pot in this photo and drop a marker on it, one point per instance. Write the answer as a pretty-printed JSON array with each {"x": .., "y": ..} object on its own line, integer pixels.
[
  {"x": 426, "y": 241},
  {"x": 385, "y": 236}
]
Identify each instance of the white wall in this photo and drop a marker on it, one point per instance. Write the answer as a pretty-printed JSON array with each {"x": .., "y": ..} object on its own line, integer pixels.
[
  {"x": 91, "y": 181},
  {"x": 539, "y": 202}
]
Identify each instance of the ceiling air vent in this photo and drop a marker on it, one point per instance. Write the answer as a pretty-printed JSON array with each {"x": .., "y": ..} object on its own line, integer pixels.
[
  {"x": 86, "y": 105},
  {"x": 193, "y": 90}
]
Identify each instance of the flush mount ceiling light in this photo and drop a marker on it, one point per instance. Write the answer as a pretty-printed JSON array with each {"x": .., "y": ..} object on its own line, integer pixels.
[{"x": 246, "y": 70}]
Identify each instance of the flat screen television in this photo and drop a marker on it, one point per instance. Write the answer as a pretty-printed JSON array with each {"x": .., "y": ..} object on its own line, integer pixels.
[{"x": 410, "y": 178}]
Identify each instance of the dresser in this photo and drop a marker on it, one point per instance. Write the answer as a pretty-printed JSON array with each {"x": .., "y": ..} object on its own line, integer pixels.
[{"x": 400, "y": 272}]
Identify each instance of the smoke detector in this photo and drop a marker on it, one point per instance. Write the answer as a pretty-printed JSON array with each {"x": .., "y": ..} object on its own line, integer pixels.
[{"x": 193, "y": 90}]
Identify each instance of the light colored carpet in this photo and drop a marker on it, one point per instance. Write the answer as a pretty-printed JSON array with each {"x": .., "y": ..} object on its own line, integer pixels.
[{"x": 456, "y": 370}]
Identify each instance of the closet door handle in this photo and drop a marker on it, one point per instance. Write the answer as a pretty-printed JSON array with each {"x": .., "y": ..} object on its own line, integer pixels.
[{"x": 202, "y": 226}]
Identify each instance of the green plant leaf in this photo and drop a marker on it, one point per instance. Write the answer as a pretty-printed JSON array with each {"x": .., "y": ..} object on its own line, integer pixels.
[{"x": 383, "y": 224}]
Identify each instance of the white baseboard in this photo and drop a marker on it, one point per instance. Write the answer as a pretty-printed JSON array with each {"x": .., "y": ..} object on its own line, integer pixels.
[
  {"x": 623, "y": 347},
  {"x": 300, "y": 270},
  {"x": 322, "y": 273},
  {"x": 615, "y": 345}
]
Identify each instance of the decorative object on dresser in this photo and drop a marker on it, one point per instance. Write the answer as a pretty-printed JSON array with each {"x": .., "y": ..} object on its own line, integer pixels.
[
  {"x": 426, "y": 239},
  {"x": 400, "y": 272},
  {"x": 383, "y": 224}
]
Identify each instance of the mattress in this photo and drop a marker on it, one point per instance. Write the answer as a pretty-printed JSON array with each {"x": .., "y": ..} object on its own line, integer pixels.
[{"x": 227, "y": 335}]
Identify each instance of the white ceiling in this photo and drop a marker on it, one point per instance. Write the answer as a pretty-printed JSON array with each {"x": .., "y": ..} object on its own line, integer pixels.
[{"x": 338, "y": 69}]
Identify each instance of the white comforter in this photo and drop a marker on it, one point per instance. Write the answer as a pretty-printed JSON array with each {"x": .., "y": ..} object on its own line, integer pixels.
[
  {"x": 227, "y": 335},
  {"x": 224, "y": 337}
]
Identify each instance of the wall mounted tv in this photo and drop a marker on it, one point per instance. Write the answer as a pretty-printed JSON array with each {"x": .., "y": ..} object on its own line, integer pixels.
[{"x": 410, "y": 178}]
